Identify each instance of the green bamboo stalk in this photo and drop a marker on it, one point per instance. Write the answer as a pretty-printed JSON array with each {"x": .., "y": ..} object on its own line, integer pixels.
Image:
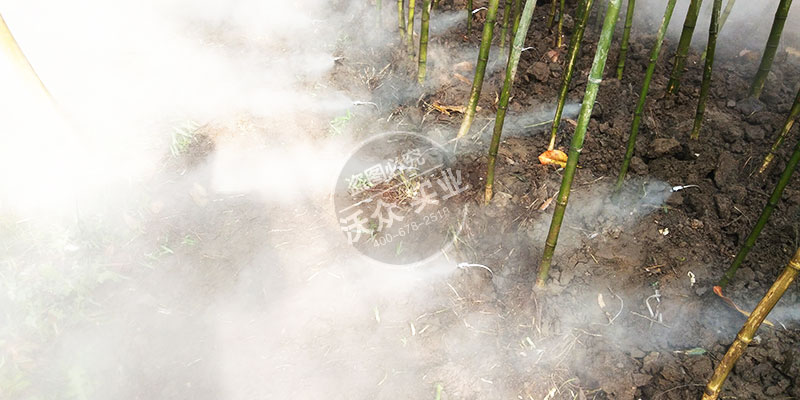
[
  {"x": 505, "y": 94},
  {"x": 410, "y": 28},
  {"x": 745, "y": 335},
  {"x": 576, "y": 146},
  {"x": 469, "y": 17},
  {"x": 515, "y": 24},
  {"x": 574, "y": 48},
  {"x": 626, "y": 34},
  {"x": 683, "y": 46},
  {"x": 480, "y": 68},
  {"x": 764, "y": 217},
  {"x": 713, "y": 30},
  {"x": 552, "y": 16},
  {"x": 401, "y": 19},
  {"x": 637, "y": 115},
  {"x": 725, "y": 13},
  {"x": 560, "y": 23},
  {"x": 787, "y": 126},
  {"x": 504, "y": 28},
  {"x": 772, "y": 47},
  {"x": 423, "y": 41}
]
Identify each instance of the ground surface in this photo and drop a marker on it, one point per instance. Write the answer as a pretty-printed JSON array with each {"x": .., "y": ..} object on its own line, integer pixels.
[
  {"x": 187, "y": 292},
  {"x": 624, "y": 252}
]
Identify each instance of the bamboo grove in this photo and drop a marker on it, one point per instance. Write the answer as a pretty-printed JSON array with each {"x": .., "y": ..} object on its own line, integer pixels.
[{"x": 513, "y": 26}]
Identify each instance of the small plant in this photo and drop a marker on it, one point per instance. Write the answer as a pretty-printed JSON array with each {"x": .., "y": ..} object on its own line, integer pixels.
[
  {"x": 182, "y": 137},
  {"x": 336, "y": 126}
]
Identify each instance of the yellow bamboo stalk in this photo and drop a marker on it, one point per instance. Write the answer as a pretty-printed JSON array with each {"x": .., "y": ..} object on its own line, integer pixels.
[
  {"x": 10, "y": 48},
  {"x": 745, "y": 335}
]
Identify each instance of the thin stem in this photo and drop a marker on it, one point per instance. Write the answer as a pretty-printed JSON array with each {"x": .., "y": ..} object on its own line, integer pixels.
[
  {"x": 552, "y": 16},
  {"x": 480, "y": 68},
  {"x": 772, "y": 47},
  {"x": 637, "y": 114},
  {"x": 469, "y": 17},
  {"x": 745, "y": 335},
  {"x": 410, "y": 28},
  {"x": 566, "y": 78},
  {"x": 764, "y": 217},
  {"x": 787, "y": 126},
  {"x": 560, "y": 23},
  {"x": 683, "y": 46},
  {"x": 401, "y": 19},
  {"x": 713, "y": 30},
  {"x": 626, "y": 34},
  {"x": 576, "y": 146},
  {"x": 505, "y": 94},
  {"x": 507, "y": 10},
  {"x": 423, "y": 41},
  {"x": 725, "y": 13},
  {"x": 10, "y": 48}
]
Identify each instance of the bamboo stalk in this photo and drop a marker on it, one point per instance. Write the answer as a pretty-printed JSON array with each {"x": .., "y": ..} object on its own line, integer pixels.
[
  {"x": 576, "y": 146},
  {"x": 764, "y": 217},
  {"x": 787, "y": 126},
  {"x": 380, "y": 11},
  {"x": 626, "y": 34},
  {"x": 410, "y": 28},
  {"x": 771, "y": 48},
  {"x": 480, "y": 68},
  {"x": 713, "y": 30},
  {"x": 637, "y": 114},
  {"x": 423, "y": 41},
  {"x": 566, "y": 77},
  {"x": 504, "y": 28},
  {"x": 515, "y": 24},
  {"x": 560, "y": 23},
  {"x": 683, "y": 46},
  {"x": 505, "y": 94},
  {"x": 725, "y": 13},
  {"x": 401, "y": 19},
  {"x": 552, "y": 16},
  {"x": 9, "y": 47},
  {"x": 469, "y": 17},
  {"x": 745, "y": 335}
]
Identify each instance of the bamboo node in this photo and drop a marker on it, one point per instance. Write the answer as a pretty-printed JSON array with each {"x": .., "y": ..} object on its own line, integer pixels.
[
  {"x": 795, "y": 264},
  {"x": 595, "y": 81},
  {"x": 744, "y": 339}
]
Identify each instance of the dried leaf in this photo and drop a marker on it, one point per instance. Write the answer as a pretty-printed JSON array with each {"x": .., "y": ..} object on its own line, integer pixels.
[
  {"x": 552, "y": 55},
  {"x": 553, "y": 157},
  {"x": 462, "y": 78}
]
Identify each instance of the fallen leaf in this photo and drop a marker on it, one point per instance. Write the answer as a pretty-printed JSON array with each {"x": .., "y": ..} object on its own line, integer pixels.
[
  {"x": 462, "y": 78},
  {"x": 446, "y": 110},
  {"x": 552, "y": 55},
  {"x": 718, "y": 291},
  {"x": 792, "y": 51},
  {"x": 546, "y": 204},
  {"x": 553, "y": 157}
]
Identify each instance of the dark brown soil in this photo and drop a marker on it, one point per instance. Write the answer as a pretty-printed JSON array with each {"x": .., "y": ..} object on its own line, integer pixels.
[{"x": 566, "y": 340}]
